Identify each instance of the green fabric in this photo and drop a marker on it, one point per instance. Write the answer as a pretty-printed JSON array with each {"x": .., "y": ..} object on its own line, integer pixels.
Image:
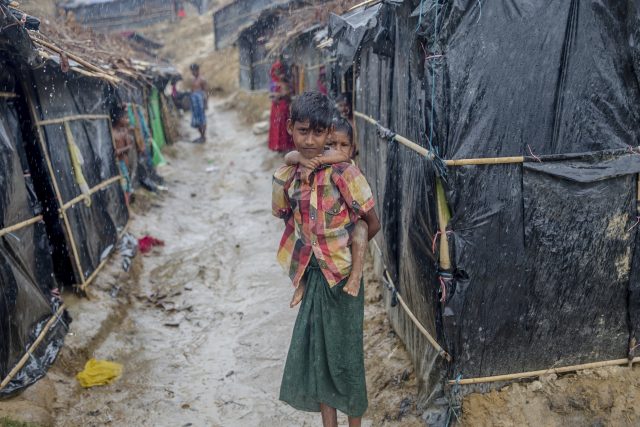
[
  {"x": 156, "y": 127},
  {"x": 325, "y": 363}
]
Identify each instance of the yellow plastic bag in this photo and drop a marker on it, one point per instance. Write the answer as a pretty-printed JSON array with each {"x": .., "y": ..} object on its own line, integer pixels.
[{"x": 99, "y": 372}]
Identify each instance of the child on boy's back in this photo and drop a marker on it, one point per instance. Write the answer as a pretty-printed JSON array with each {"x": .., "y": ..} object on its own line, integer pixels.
[
  {"x": 340, "y": 148},
  {"x": 325, "y": 364}
]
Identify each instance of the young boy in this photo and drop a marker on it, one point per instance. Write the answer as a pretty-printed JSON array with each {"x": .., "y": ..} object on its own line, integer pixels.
[
  {"x": 199, "y": 101},
  {"x": 340, "y": 148},
  {"x": 124, "y": 147},
  {"x": 325, "y": 365}
]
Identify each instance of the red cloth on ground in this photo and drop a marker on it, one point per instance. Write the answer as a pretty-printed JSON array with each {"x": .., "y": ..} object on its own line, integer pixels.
[
  {"x": 279, "y": 138},
  {"x": 146, "y": 243}
]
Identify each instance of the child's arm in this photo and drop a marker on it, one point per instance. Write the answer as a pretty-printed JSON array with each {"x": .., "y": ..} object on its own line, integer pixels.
[
  {"x": 331, "y": 157},
  {"x": 358, "y": 247}
]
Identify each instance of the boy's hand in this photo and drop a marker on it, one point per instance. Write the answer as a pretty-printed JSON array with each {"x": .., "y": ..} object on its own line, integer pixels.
[{"x": 352, "y": 287}]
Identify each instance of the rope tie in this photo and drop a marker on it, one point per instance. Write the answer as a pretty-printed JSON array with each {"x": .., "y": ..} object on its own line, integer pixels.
[
  {"x": 538, "y": 159},
  {"x": 634, "y": 225}
]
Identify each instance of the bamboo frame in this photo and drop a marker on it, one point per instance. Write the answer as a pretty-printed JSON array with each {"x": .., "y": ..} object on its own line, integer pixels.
[
  {"x": 531, "y": 374},
  {"x": 32, "y": 347},
  {"x": 93, "y": 190},
  {"x": 73, "y": 118},
  {"x": 56, "y": 188},
  {"x": 83, "y": 287},
  {"x": 414, "y": 319},
  {"x": 453, "y": 162},
  {"x": 416, "y": 322},
  {"x": 444, "y": 215},
  {"x": 401, "y": 139},
  {"x": 102, "y": 73},
  {"x": 20, "y": 225}
]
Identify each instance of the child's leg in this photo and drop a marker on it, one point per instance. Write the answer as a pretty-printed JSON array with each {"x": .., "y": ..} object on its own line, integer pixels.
[
  {"x": 358, "y": 247},
  {"x": 329, "y": 416},
  {"x": 297, "y": 294},
  {"x": 354, "y": 422}
]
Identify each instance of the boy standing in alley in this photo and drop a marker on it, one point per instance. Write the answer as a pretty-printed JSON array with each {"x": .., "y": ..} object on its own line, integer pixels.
[
  {"x": 199, "y": 101},
  {"x": 325, "y": 365}
]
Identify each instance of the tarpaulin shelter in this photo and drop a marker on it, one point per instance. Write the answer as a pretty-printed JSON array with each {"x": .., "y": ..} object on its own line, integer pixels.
[
  {"x": 290, "y": 29},
  {"x": 501, "y": 142},
  {"x": 230, "y": 20},
  {"x": 32, "y": 322},
  {"x": 120, "y": 15}
]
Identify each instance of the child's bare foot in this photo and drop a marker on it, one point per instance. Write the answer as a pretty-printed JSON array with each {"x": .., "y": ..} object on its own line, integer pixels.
[
  {"x": 352, "y": 287},
  {"x": 297, "y": 295}
]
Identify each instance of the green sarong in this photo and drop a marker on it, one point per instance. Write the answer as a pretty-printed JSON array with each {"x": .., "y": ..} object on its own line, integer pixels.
[{"x": 325, "y": 363}]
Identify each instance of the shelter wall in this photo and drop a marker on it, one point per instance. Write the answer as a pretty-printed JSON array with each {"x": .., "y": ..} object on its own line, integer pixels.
[{"x": 118, "y": 15}]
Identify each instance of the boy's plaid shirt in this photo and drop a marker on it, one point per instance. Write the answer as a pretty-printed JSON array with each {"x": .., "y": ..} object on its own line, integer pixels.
[{"x": 320, "y": 218}]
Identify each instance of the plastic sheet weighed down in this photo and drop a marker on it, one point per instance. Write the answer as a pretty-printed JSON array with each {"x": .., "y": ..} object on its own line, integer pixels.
[{"x": 544, "y": 266}]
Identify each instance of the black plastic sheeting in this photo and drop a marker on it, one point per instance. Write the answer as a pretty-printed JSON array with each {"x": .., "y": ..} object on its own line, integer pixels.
[
  {"x": 95, "y": 228},
  {"x": 26, "y": 270},
  {"x": 544, "y": 258}
]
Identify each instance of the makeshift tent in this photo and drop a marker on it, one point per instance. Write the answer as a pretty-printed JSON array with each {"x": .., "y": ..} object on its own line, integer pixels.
[
  {"x": 514, "y": 126},
  {"x": 74, "y": 129},
  {"x": 231, "y": 19},
  {"x": 119, "y": 15},
  {"x": 32, "y": 323}
]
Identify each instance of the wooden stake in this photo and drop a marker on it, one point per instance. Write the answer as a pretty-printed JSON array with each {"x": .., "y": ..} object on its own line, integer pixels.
[
  {"x": 573, "y": 368},
  {"x": 20, "y": 225},
  {"x": 32, "y": 348}
]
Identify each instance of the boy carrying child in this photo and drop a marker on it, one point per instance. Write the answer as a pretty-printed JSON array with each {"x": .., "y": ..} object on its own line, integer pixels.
[{"x": 325, "y": 365}]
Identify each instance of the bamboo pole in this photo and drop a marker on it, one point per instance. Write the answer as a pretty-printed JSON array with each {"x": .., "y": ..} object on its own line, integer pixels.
[
  {"x": 530, "y": 374},
  {"x": 454, "y": 162},
  {"x": 444, "y": 215},
  {"x": 364, "y": 3},
  {"x": 93, "y": 190},
  {"x": 100, "y": 266},
  {"x": 416, "y": 322},
  {"x": 409, "y": 313},
  {"x": 32, "y": 348},
  {"x": 20, "y": 225},
  {"x": 485, "y": 161},
  {"x": 8, "y": 95},
  {"x": 73, "y": 118},
  {"x": 76, "y": 58},
  {"x": 56, "y": 188},
  {"x": 401, "y": 139}
]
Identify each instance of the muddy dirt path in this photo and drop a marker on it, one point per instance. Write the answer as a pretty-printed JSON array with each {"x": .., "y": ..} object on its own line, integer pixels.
[
  {"x": 205, "y": 338},
  {"x": 213, "y": 355}
]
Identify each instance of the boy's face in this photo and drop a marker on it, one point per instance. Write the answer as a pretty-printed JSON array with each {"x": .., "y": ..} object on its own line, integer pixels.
[
  {"x": 309, "y": 142},
  {"x": 340, "y": 141},
  {"x": 343, "y": 109}
]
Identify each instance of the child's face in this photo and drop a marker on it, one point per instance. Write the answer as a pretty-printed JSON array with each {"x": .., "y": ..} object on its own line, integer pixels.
[
  {"x": 309, "y": 142},
  {"x": 341, "y": 142},
  {"x": 344, "y": 109}
]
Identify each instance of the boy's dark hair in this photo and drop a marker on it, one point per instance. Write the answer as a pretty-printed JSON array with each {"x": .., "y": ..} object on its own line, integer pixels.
[
  {"x": 195, "y": 67},
  {"x": 313, "y": 107},
  {"x": 118, "y": 113},
  {"x": 340, "y": 124}
]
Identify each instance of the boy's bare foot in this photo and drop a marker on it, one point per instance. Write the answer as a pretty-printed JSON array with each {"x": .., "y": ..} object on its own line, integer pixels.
[
  {"x": 352, "y": 287},
  {"x": 297, "y": 295}
]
